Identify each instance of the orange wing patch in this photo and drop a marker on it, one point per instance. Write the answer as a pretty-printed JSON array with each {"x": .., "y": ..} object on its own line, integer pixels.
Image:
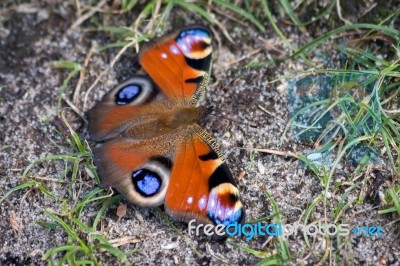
[
  {"x": 179, "y": 63},
  {"x": 202, "y": 187},
  {"x": 121, "y": 108},
  {"x": 106, "y": 123},
  {"x": 138, "y": 169}
]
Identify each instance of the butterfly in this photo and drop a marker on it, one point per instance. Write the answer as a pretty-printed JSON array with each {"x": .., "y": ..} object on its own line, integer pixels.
[{"x": 151, "y": 146}]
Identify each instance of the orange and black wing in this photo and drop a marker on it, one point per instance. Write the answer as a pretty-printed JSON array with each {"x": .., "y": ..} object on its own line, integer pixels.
[
  {"x": 179, "y": 63},
  {"x": 140, "y": 170},
  {"x": 201, "y": 186},
  {"x": 192, "y": 182},
  {"x": 123, "y": 107}
]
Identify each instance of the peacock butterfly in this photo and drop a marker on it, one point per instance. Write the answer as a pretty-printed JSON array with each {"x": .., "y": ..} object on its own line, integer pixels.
[{"x": 152, "y": 148}]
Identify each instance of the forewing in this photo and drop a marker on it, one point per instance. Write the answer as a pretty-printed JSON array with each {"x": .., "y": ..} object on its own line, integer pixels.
[{"x": 179, "y": 63}]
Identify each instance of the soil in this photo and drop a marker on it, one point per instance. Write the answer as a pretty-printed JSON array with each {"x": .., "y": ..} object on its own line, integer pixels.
[{"x": 35, "y": 35}]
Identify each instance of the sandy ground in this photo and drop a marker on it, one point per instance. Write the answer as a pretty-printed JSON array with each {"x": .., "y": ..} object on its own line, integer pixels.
[{"x": 30, "y": 41}]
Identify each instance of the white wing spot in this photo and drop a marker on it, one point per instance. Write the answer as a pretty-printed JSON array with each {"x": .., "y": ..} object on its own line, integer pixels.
[
  {"x": 174, "y": 49},
  {"x": 190, "y": 200},
  {"x": 202, "y": 203}
]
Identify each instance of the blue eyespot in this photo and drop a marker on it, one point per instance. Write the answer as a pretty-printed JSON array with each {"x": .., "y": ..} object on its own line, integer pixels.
[
  {"x": 128, "y": 94},
  {"x": 202, "y": 33},
  {"x": 235, "y": 217},
  {"x": 146, "y": 182}
]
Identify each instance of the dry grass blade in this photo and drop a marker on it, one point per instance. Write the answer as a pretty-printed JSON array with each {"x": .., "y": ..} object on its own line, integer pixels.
[
  {"x": 276, "y": 152},
  {"x": 86, "y": 16},
  {"x": 124, "y": 241}
]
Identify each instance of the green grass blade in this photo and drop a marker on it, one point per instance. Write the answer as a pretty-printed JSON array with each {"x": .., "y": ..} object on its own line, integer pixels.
[
  {"x": 19, "y": 187},
  {"x": 289, "y": 11},
  {"x": 257, "y": 253},
  {"x": 311, "y": 45},
  {"x": 195, "y": 8},
  {"x": 64, "y": 157},
  {"x": 56, "y": 250},
  {"x": 395, "y": 200},
  {"x": 241, "y": 12},
  {"x": 271, "y": 20},
  {"x": 308, "y": 214},
  {"x": 108, "y": 203},
  {"x": 70, "y": 231}
]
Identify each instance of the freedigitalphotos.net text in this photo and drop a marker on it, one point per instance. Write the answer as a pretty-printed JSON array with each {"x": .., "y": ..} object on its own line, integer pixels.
[{"x": 284, "y": 230}]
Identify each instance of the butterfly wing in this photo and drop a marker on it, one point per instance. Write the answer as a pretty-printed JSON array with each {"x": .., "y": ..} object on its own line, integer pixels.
[
  {"x": 140, "y": 170},
  {"x": 124, "y": 106},
  {"x": 201, "y": 186},
  {"x": 179, "y": 63},
  {"x": 133, "y": 157},
  {"x": 184, "y": 173}
]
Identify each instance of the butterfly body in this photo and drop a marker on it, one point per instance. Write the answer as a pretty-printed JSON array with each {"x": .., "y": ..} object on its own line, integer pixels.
[
  {"x": 164, "y": 121},
  {"x": 153, "y": 149}
]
